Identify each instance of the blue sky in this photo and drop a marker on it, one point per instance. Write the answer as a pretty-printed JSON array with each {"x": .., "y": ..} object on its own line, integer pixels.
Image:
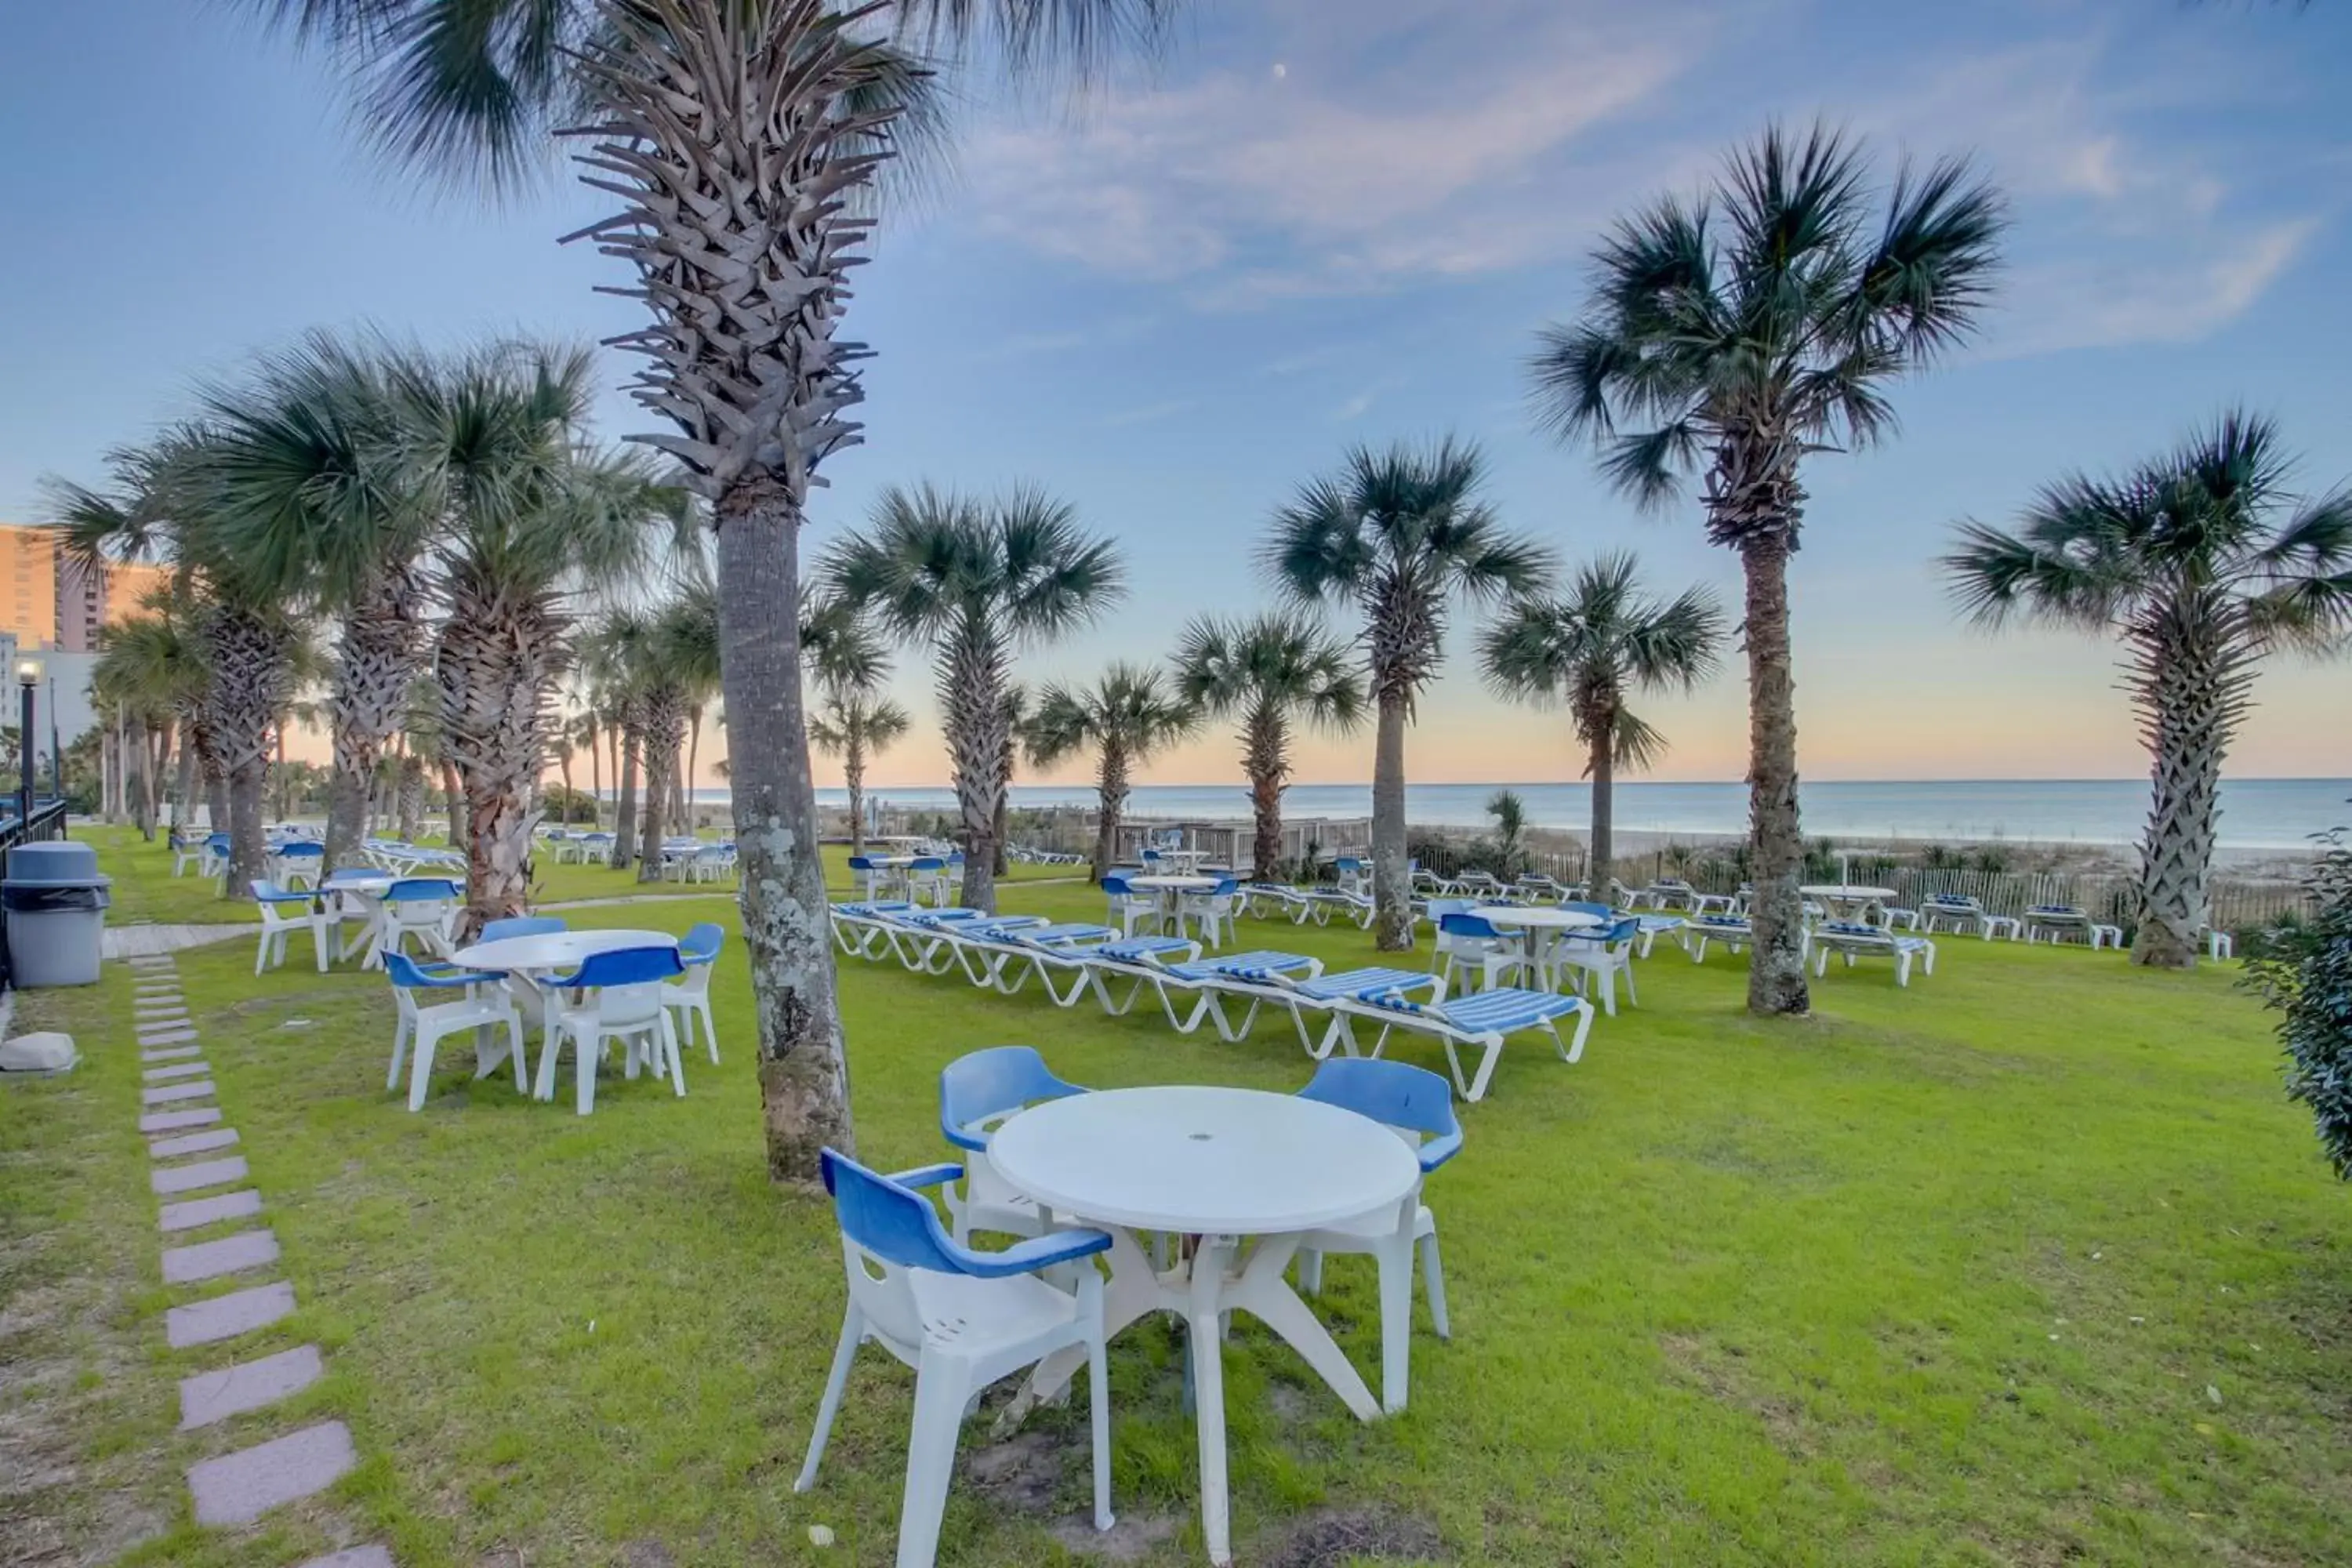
[{"x": 1174, "y": 301}]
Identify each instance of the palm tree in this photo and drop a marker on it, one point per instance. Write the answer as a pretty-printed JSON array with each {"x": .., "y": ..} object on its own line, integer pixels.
[
  {"x": 1125, "y": 716},
  {"x": 1017, "y": 719},
  {"x": 322, "y": 495},
  {"x": 1268, "y": 672},
  {"x": 614, "y": 657},
  {"x": 1510, "y": 810},
  {"x": 533, "y": 518},
  {"x": 1742, "y": 334},
  {"x": 151, "y": 671},
  {"x": 976, "y": 581},
  {"x": 745, "y": 295},
  {"x": 587, "y": 733},
  {"x": 2203, "y": 562},
  {"x": 681, "y": 668},
  {"x": 854, "y": 719},
  {"x": 1599, "y": 641},
  {"x": 167, "y": 502},
  {"x": 1396, "y": 536}
]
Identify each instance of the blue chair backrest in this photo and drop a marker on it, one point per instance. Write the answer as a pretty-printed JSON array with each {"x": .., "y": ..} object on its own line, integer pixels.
[
  {"x": 1583, "y": 907},
  {"x": 702, "y": 942},
  {"x": 1151, "y": 856},
  {"x": 349, "y": 873},
  {"x": 1460, "y": 924},
  {"x": 988, "y": 1083},
  {"x": 1347, "y": 863},
  {"x": 861, "y": 862},
  {"x": 266, "y": 891},
  {"x": 301, "y": 851},
  {"x": 521, "y": 925},
  {"x": 1623, "y": 931},
  {"x": 625, "y": 966},
  {"x": 894, "y": 1223},
  {"x": 215, "y": 840},
  {"x": 1115, "y": 883},
  {"x": 1395, "y": 1094},
  {"x": 1226, "y": 887},
  {"x": 928, "y": 863},
  {"x": 421, "y": 888},
  {"x": 1441, "y": 908}
]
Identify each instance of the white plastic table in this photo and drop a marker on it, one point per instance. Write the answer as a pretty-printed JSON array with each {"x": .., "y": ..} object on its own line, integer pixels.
[
  {"x": 1845, "y": 902},
  {"x": 1544, "y": 924},
  {"x": 1230, "y": 1168},
  {"x": 1172, "y": 888},
  {"x": 552, "y": 952}
]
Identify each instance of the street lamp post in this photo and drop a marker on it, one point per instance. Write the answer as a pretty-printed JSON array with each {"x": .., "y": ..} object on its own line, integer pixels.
[{"x": 28, "y": 679}]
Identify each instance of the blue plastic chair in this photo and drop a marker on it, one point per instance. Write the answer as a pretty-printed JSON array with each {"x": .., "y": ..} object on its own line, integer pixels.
[
  {"x": 484, "y": 1010},
  {"x": 521, "y": 925},
  {"x": 977, "y": 1091},
  {"x": 612, "y": 996},
  {"x": 1463, "y": 935},
  {"x": 993, "y": 1319},
  {"x": 1421, "y": 1103},
  {"x": 1607, "y": 952},
  {"x": 690, "y": 995}
]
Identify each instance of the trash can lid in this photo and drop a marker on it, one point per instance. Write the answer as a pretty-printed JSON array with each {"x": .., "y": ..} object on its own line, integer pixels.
[{"x": 55, "y": 864}]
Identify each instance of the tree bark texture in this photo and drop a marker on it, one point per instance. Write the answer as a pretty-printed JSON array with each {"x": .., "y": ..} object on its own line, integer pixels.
[
  {"x": 973, "y": 686},
  {"x": 1600, "y": 729},
  {"x": 1266, "y": 759},
  {"x": 410, "y": 798},
  {"x": 1111, "y": 792},
  {"x": 1391, "y": 877},
  {"x": 787, "y": 923},
  {"x": 1776, "y": 968},
  {"x": 500, "y": 657},
  {"x": 251, "y": 659},
  {"x": 375, "y": 662},
  {"x": 2191, "y": 679},
  {"x": 665, "y": 733},
  {"x": 853, "y": 776},
  {"x": 624, "y": 807}
]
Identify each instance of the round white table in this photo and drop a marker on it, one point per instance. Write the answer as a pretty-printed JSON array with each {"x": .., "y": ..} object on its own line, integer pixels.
[
  {"x": 1230, "y": 1168},
  {"x": 1544, "y": 924},
  {"x": 1172, "y": 888},
  {"x": 1846, "y": 901},
  {"x": 554, "y": 951}
]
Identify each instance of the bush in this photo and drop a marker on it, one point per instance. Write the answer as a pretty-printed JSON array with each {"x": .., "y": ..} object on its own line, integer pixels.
[{"x": 2304, "y": 968}]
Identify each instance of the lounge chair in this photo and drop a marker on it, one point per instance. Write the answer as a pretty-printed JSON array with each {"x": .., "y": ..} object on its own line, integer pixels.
[
  {"x": 1850, "y": 940},
  {"x": 1483, "y": 1019}
]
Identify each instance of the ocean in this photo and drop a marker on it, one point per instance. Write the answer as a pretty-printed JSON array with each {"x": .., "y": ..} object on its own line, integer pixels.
[{"x": 2256, "y": 814}]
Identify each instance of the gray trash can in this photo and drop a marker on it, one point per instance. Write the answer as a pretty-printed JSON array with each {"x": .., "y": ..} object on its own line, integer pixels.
[{"x": 56, "y": 903}]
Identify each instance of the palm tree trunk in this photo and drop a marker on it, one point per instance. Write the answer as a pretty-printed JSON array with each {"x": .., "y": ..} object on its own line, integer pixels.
[
  {"x": 251, "y": 663},
  {"x": 563, "y": 767},
  {"x": 409, "y": 798},
  {"x": 453, "y": 802},
  {"x": 1776, "y": 966},
  {"x": 978, "y": 734},
  {"x": 853, "y": 775},
  {"x": 804, "y": 1067},
  {"x": 1266, "y": 759},
  {"x": 595, "y": 780},
  {"x": 375, "y": 663},
  {"x": 625, "y": 809},
  {"x": 1391, "y": 881},
  {"x": 2189, "y": 690},
  {"x": 613, "y": 738},
  {"x": 692, "y": 775},
  {"x": 285, "y": 785},
  {"x": 1111, "y": 792},
  {"x": 1602, "y": 765},
  {"x": 664, "y": 732}
]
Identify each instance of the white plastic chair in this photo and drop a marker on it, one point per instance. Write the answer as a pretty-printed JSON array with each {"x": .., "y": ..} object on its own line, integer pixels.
[
  {"x": 977, "y": 1091},
  {"x": 689, "y": 996},
  {"x": 423, "y": 908},
  {"x": 1602, "y": 955},
  {"x": 961, "y": 1320},
  {"x": 615, "y": 995},
  {"x": 284, "y": 911},
  {"x": 1210, "y": 913},
  {"x": 479, "y": 1007},
  {"x": 187, "y": 853}
]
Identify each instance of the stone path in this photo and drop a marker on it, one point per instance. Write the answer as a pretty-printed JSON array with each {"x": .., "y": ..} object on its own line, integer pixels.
[{"x": 203, "y": 1192}]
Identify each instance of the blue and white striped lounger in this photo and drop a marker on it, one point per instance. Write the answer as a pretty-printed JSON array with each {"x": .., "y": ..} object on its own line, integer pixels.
[
  {"x": 1732, "y": 930},
  {"x": 925, "y": 940},
  {"x": 1263, "y": 967},
  {"x": 1267, "y": 900},
  {"x": 1005, "y": 959},
  {"x": 1481, "y": 1018},
  {"x": 1324, "y": 902},
  {"x": 1850, "y": 940},
  {"x": 1141, "y": 960},
  {"x": 1298, "y": 997},
  {"x": 863, "y": 929}
]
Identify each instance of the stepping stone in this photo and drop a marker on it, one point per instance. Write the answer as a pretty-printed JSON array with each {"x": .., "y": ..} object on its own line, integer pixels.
[
  {"x": 171, "y": 1053},
  {"x": 158, "y": 1005},
  {"x": 353, "y": 1557},
  {"x": 165, "y": 1093},
  {"x": 225, "y": 1317},
  {"x": 211, "y": 1397},
  {"x": 148, "y": 991},
  {"x": 177, "y": 1069},
  {"x": 191, "y": 1143},
  {"x": 211, "y": 1259},
  {"x": 211, "y": 1211},
  {"x": 166, "y": 1036},
  {"x": 173, "y": 1120},
  {"x": 172, "y": 1179},
  {"x": 239, "y": 1488}
]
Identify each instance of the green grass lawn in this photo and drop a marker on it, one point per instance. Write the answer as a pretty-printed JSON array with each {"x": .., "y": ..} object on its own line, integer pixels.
[{"x": 2030, "y": 1263}]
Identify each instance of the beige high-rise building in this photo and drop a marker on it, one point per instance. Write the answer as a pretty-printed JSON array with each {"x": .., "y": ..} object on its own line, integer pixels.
[{"x": 29, "y": 585}]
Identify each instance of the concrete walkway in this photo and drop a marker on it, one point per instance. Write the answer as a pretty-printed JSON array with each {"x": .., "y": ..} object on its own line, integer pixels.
[
  {"x": 216, "y": 1264},
  {"x": 147, "y": 940}
]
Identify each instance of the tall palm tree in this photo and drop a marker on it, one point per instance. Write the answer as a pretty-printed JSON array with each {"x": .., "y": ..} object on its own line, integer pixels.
[
  {"x": 856, "y": 719},
  {"x": 2203, "y": 562},
  {"x": 149, "y": 669},
  {"x": 792, "y": 108},
  {"x": 321, "y": 494},
  {"x": 533, "y": 517},
  {"x": 615, "y": 658},
  {"x": 1017, "y": 719},
  {"x": 587, "y": 733},
  {"x": 1741, "y": 334},
  {"x": 167, "y": 502},
  {"x": 1600, "y": 640},
  {"x": 1397, "y": 536},
  {"x": 975, "y": 581},
  {"x": 1268, "y": 672},
  {"x": 681, "y": 668},
  {"x": 1128, "y": 714}
]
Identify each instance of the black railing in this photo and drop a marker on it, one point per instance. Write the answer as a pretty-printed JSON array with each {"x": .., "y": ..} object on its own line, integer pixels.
[{"x": 47, "y": 821}]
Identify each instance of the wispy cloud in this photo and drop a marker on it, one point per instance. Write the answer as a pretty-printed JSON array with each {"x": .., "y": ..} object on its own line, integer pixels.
[
  {"x": 1361, "y": 401},
  {"x": 1150, "y": 413}
]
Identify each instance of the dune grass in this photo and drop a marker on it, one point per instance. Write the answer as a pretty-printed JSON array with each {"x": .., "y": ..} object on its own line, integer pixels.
[{"x": 2029, "y": 1262}]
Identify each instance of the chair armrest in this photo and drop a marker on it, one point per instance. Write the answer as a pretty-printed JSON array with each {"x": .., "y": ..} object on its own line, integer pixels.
[
  {"x": 1437, "y": 1150},
  {"x": 928, "y": 1175},
  {"x": 1039, "y": 1252},
  {"x": 451, "y": 980}
]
